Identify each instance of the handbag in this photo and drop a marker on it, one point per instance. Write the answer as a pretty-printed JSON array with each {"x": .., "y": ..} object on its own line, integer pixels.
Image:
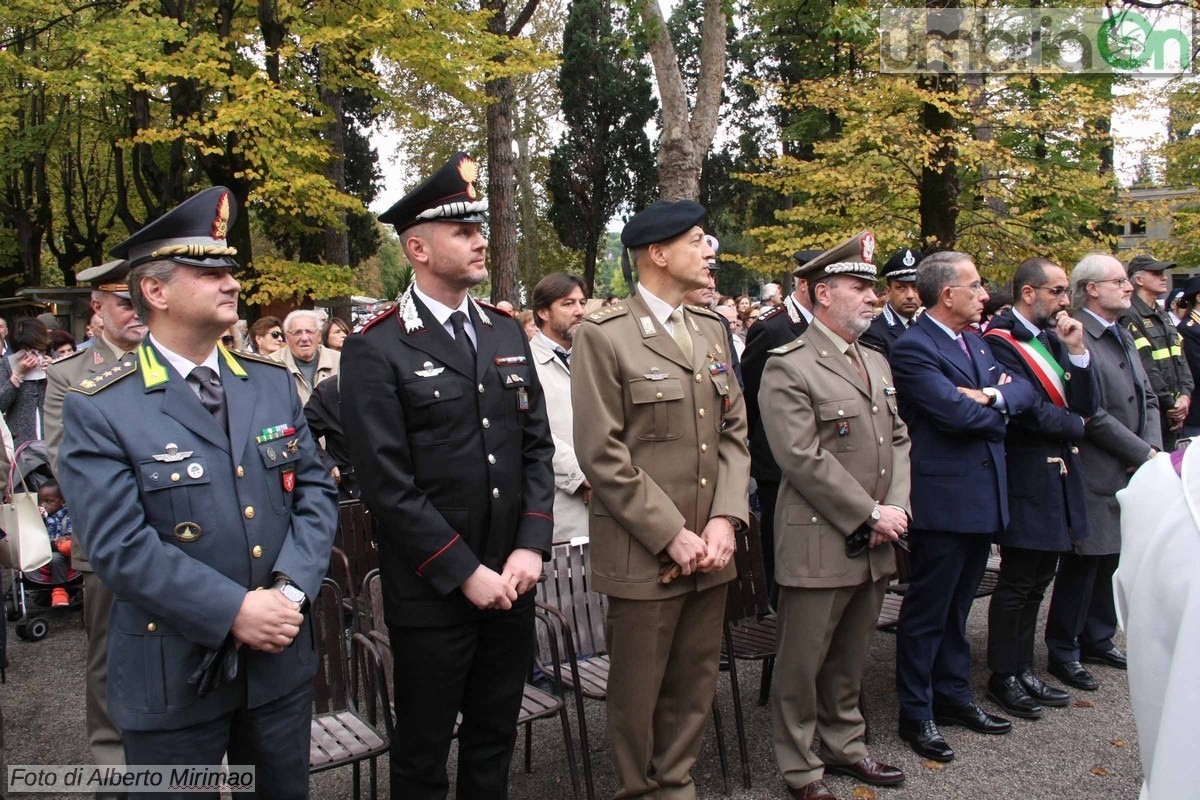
[{"x": 26, "y": 544}]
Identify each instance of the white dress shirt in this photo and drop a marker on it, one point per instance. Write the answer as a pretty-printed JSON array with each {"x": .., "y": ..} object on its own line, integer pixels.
[{"x": 442, "y": 312}]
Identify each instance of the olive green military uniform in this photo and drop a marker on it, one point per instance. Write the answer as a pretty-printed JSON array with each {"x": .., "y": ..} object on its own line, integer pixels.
[{"x": 662, "y": 440}]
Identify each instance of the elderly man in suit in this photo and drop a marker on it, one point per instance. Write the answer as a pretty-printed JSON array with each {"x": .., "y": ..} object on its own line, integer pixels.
[
  {"x": 956, "y": 400},
  {"x": 558, "y": 306},
  {"x": 1037, "y": 339},
  {"x": 188, "y": 508},
  {"x": 843, "y": 452},
  {"x": 116, "y": 341},
  {"x": 447, "y": 428},
  {"x": 776, "y": 326},
  {"x": 1122, "y": 435},
  {"x": 660, "y": 431},
  {"x": 900, "y": 282}
]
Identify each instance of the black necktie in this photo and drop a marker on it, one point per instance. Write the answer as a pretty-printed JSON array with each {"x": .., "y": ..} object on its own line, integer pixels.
[
  {"x": 564, "y": 357},
  {"x": 459, "y": 321},
  {"x": 1044, "y": 338},
  {"x": 212, "y": 394}
]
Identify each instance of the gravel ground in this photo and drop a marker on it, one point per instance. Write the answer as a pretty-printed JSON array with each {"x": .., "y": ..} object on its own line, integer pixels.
[{"x": 1083, "y": 751}]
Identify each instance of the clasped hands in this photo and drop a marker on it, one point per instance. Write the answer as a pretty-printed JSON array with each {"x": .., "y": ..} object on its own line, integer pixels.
[
  {"x": 486, "y": 588},
  {"x": 267, "y": 621},
  {"x": 708, "y": 552}
]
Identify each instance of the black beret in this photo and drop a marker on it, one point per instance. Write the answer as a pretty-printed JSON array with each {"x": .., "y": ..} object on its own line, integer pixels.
[
  {"x": 852, "y": 257},
  {"x": 903, "y": 266},
  {"x": 448, "y": 195},
  {"x": 1149, "y": 263},
  {"x": 193, "y": 233},
  {"x": 662, "y": 221}
]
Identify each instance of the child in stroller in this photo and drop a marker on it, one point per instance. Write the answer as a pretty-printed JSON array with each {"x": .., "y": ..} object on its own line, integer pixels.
[{"x": 58, "y": 573}]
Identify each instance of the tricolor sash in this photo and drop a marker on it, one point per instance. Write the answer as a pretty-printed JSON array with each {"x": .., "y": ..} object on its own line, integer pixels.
[{"x": 1043, "y": 365}]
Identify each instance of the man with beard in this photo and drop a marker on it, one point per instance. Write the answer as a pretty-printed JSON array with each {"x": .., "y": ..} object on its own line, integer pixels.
[
  {"x": 831, "y": 417},
  {"x": 558, "y": 304},
  {"x": 900, "y": 279},
  {"x": 1122, "y": 435},
  {"x": 1039, "y": 340},
  {"x": 120, "y": 333},
  {"x": 447, "y": 429}
]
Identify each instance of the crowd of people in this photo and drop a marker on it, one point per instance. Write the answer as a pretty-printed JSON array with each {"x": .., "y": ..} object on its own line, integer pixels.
[{"x": 870, "y": 420}]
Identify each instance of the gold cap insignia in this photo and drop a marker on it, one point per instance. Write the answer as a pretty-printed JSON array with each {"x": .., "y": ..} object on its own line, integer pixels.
[
  {"x": 469, "y": 170},
  {"x": 220, "y": 226}
]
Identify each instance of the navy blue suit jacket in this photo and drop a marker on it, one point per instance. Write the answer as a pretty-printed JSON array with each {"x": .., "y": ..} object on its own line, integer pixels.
[{"x": 959, "y": 482}]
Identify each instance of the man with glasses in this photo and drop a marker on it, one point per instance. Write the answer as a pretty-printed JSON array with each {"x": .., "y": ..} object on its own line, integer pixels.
[
  {"x": 305, "y": 358},
  {"x": 1159, "y": 345},
  {"x": 1123, "y": 434},
  {"x": 956, "y": 400},
  {"x": 1039, "y": 340}
]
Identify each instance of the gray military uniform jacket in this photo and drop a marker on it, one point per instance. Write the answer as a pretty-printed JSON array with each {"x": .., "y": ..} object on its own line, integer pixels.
[
  {"x": 842, "y": 447},
  {"x": 181, "y": 519}
]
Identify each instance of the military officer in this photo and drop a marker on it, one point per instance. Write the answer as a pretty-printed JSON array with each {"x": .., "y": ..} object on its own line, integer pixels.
[
  {"x": 447, "y": 427},
  {"x": 193, "y": 483},
  {"x": 660, "y": 432},
  {"x": 776, "y": 326},
  {"x": 1158, "y": 343},
  {"x": 831, "y": 417},
  {"x": 1189, "y": 330},
  {"x": 900, "y": 281},
  {"x": 116, "y": 341}
]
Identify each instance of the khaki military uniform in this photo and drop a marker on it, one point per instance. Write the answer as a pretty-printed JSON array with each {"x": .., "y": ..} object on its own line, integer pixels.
[
  {"x": 104, "y": 739},
  {"x": 662, "y": 440},
  {"x": 841, "y": 447}
]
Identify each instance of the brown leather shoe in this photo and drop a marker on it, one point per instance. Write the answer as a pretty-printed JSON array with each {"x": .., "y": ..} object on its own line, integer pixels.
[
  {"x": 817, "y": 790},
  {"x": 869, "y": 771}
]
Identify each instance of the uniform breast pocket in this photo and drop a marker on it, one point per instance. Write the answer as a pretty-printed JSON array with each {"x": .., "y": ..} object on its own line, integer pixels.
[
  {"x": 430, "y": 405},
  {"x": 837, "y": 419},
  {"x": 178, "y": 494},
  {"x": 658, "y": 406},
  {"x": 515, "y": 380},
  {"x": 280, "y": 459}
]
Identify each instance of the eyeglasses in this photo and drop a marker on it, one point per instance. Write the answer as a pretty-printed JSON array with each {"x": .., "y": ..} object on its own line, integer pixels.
[
  {"x": 227, "y": 341},
  {"x": 975, "y": 286},
  {"x": 1122, "y": 282},
  {"x": 276, "y": 335},
  {"x": 1057, "y": 291}
]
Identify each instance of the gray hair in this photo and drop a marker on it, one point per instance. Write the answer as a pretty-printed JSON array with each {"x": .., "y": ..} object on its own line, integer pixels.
[
  {"x": 302, "y": 313},
  {"x": 159, "y": 270},
  {"x": 1090, "y": 268},
  {"x": 936, "y": 272}
]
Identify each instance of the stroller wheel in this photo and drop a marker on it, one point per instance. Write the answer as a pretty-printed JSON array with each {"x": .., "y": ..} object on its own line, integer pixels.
[
  {"x": 33, "y": 628},
  {"x": 11, "y": 611}
]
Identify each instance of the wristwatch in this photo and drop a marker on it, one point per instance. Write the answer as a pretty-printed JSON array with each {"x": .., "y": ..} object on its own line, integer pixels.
[
  {"x": 875, "y": 515},
  {"x": 993, "y": 394},
  {"x": 735, "y": 522},
  {"x": 291, "y": 591}
]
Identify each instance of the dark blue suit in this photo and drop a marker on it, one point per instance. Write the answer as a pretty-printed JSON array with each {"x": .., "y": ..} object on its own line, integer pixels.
[
  {"x": 181, "y": 519},
  {"x": 959, "y": 502},
  {"x": 1047, "y": 495}
]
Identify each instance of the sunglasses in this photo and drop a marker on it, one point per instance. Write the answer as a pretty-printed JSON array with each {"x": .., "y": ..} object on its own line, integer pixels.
[
  {"x": 276, "y": 335},
  {"x": 227, "y": 341}
]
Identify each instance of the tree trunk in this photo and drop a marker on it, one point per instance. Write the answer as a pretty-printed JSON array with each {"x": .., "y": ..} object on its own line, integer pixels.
[
  {"x": 337, "y": 239},
  {"x": 939, "y": 179},
  {"x": 686, "y": 137},
  {"x": 530, "y": 239}
]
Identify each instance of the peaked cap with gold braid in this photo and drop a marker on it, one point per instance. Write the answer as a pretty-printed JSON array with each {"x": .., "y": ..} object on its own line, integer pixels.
[{"x": 193, "y": 233}]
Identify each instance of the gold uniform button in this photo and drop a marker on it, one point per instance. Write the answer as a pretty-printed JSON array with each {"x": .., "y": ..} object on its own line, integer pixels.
[
  {"x": 703, "y": 448},
  {"x": 704, "y": 481},
  {"x": 699, "y": 377},
  {"x": 841, "y": 413},
  {"x": 883, "y": 472},
  {"x": 241, "y": 472},
  {"x": 257, "y": 551},
  {"x": 701, "y": 412},
  {"x": 175, "y": 477},
  {"x": 814, "y": 519},
  {"x": 874, "y": 409},
  {"x": 658, "y": 395},
  {"x": 249, "y": 512},
  {"x": 152, "y": 627}
]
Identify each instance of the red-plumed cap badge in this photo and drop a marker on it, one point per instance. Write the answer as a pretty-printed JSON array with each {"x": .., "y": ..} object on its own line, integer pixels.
[
  {"x": 220, "y": 226},
  {"x": 469, "y": 170},
  {"x": 868, "y": 248}
]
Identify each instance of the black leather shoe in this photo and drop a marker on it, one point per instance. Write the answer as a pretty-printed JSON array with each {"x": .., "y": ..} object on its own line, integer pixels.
[
  {"x": 1112, "y": 658},
  {"x": 971, "y": 716},
  {"x": 1073, "y": 674},
  {"x": 1009, "y": 693},
  {"x": 925, "y": 739},
  {"x": 1040, "y": 691}
]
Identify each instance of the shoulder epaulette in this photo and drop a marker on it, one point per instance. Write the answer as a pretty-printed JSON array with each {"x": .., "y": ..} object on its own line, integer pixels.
[
  {"x": 94, "y": 383},
  {"x": 68, "y": 357},
  {"x": 795, "y": 344},
  {"x": 390, "y": 312},
  {"x": 258, "y": 357},
  {"x": 607, "y": 312},
  {"x": 491, "y": 307},
  {"x": 770, "y": 312},
  {"x": 708, "y": 312}
]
